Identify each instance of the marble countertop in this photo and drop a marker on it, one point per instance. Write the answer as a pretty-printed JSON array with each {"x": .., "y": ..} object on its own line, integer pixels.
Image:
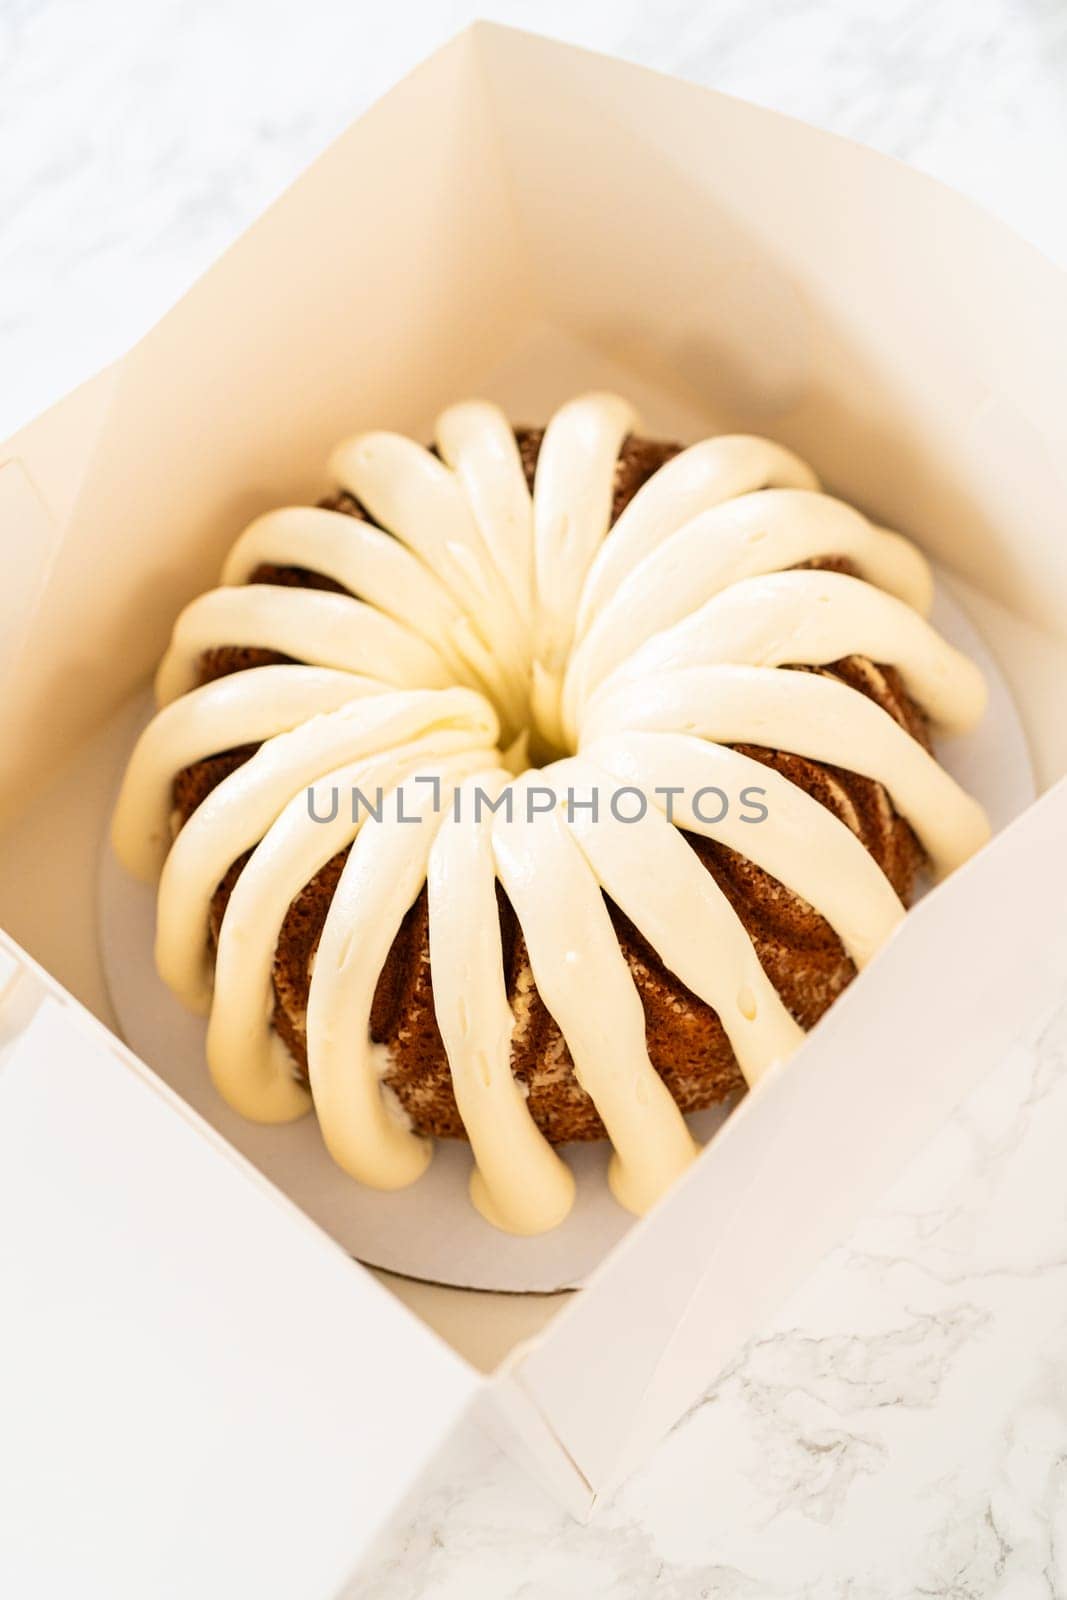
[{"x": 901, "y": 1428}]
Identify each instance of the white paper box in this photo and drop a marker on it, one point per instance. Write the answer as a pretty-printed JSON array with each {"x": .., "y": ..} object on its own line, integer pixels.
[{"x": 517, "y": 218}]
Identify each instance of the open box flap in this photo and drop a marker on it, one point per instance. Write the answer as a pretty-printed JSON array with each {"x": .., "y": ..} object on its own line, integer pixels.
[
  {"x": 200, "y": 1394},
  {"x": 794, "y": 283},
  {"x": 41, "y": 473},
  {"x": 978, "y": 960},
  {"x": 847, "y": 315},
  {"x": 233, "y": 401}
]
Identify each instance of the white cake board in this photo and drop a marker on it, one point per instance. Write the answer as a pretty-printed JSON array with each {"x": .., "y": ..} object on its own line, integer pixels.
[{"x": 431, "y": 1231}]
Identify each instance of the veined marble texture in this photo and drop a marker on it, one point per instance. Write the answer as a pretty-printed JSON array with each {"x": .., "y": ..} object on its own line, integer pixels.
[{"x": 901, "y": 1428}]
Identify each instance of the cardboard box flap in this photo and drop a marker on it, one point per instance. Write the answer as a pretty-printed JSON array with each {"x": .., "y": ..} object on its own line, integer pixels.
[
  {"x": 233, "y": 401},
  {"x": 56, "y": 449},
  {"x": 847, "y": 314},
  {"x": 41, "y": 473},
  {"x": 200, "y": 1393},
  {"x": 494, "y": 188},
  {"x": 978, "y": 960}
]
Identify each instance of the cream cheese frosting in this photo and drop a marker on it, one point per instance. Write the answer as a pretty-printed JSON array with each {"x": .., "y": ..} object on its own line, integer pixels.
[{"x": 477, "y": 616}]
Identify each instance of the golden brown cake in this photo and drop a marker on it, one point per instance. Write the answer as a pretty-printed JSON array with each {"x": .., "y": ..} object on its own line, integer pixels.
[{"x": 615, "y": 610}]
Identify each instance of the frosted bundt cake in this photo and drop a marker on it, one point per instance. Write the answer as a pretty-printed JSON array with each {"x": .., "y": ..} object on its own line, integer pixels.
[{"x": 540, "y": 787}]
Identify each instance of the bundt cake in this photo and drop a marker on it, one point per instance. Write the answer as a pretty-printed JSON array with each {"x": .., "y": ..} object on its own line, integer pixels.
[{"x": 540, "y": 786}]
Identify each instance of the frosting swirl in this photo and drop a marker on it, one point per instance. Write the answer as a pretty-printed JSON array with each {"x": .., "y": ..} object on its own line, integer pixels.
[{"x": 476, "y": 616}]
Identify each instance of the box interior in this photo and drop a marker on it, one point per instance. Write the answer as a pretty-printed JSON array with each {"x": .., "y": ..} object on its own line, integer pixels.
[
  {"x": 652, "y": 225},
  {"x": 570, "y": 223}
]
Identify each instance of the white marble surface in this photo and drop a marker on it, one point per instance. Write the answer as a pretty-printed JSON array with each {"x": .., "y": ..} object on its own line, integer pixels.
[{"x": 901, "y": 1429}]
